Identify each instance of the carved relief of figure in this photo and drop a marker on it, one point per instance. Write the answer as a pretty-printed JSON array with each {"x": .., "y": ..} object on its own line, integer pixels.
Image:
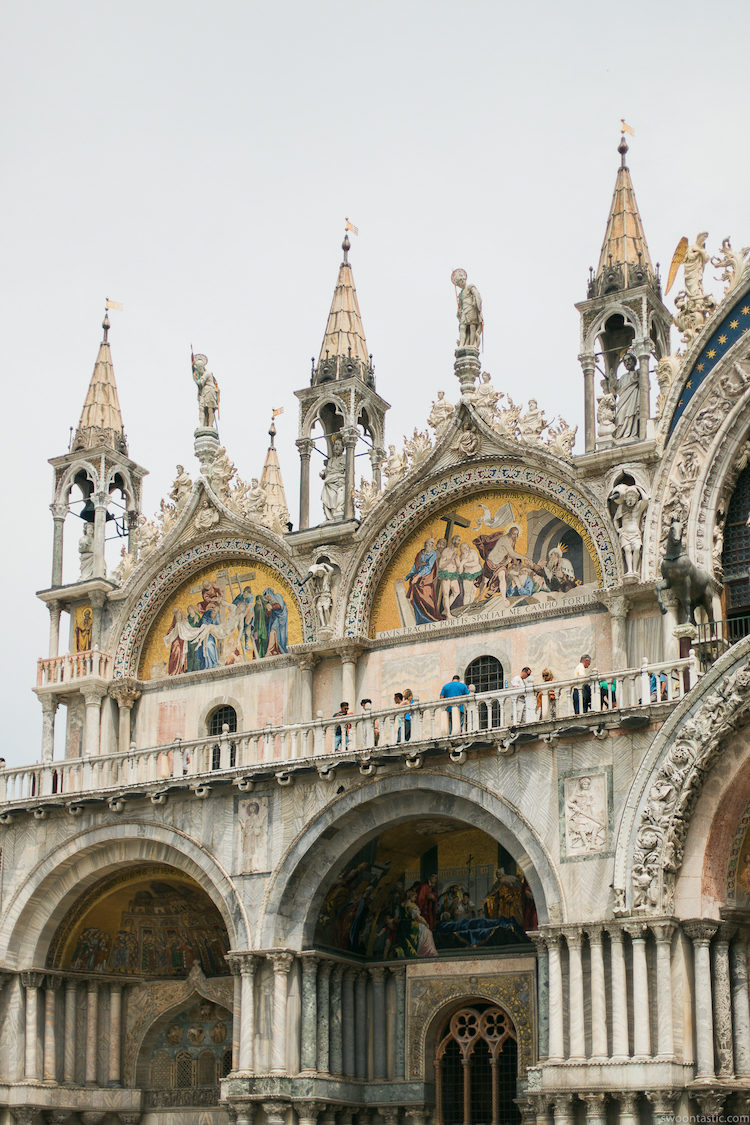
[
  {"x": 125, "y": 567},
  {"x": 532, "y": 423},
  {"x": 440, "y": 414},
  {"x": 486, "y": 398},
  {"x": 221, "y": 472},
  {"x": 208, "y": 393},
  {"x": 718, "y": 536},
  {"x": 630, "y": 503},
  {"x": 666, "y": 369},
  {"x": 207, "y": 517},
  {"x": 626, "y": 408},
  {"x": 469, "y": 312},
  {"x": 395, "y": 466},
  {"x": 148, "y": 536},
  {"x": 321, "y": 573},
  {"x": 182, "y": 486},
  {"x": 86, "y": 551},
  {"x": 467, "y": 442},
  {"x": 253, "y": 834},
  {"x": 585, "y": 819},
  {"x": 254, "y": 499},
  {"x": 696, "y": 257},
  {"x": 334, "y": 477}
]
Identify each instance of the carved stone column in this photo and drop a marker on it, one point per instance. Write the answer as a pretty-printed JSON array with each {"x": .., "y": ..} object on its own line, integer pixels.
[
  {"x": 305, "y": 447},
  {"x": 324, "y": 1010},
  {"x": 577, "y": 1045},
  {"x": 670, "y": 621},
  {"x": 588, "y": 363},
  {"x": 563, "y": 1110},
  {"x": 665, "y": 1031},
  {"x": 49, "y": 1072},
  {"x": 115, "y": 1032},
  {"x": 628, "y": 1108},
  {"x": 92, "y": 697},
  {"x": 49, "y": 708},
  {"x": 360, "y": 1020},
  {"x": 97, "y": 605},
  {"x": 307, "y": 1112},
  {"x": 723, "y": 1003},
  {"x": 377, "y": 457},
  {"x": 350, "y": 436},
  {"x": 618, "y": 620},
  {"x": 100, "y": 528},
  {"x": 306, "y": 665},
  {"x": 542, "y": 1108},
  {"x": 642, "y": 350},
  {"x": 596, "y": 1109},
  {"x": 54, "y": 628},
  {"x": 399, "y": 978},
  {"x": 236, "y": 1009},
  {"x": 126, "y": 693},
  {"x": 309, "y": 1036},
  {"x": 275, "y": 1112},
  {"x": 58, "y": 517},
  {"x": 556, "y": 1042},
  {"x": 711, "y": 1103},
  {"x": 620, "y": 1042},
  {"x": 69, "y": 1044},
  {"x": 31, "y": 982},
  {"x": 282, "y": 963},
  {"x": 92, "y": 1032},
  {"x": 641, "y": 1022},
  {"x": 700, "y": 933},
  {"x": 335, "y": 1064},
  {"x": 542, "y": 977},
  {"x": 663, "y": 1103},
  {"x": 377, "y": 976},
  {"x": 599, "y": 1050},
  {"x": 740, "y": 1007},
  {"x": 349, "y": 677},
  {"x": 246, "y": 1049},
  {"x": 347, "y": 1011}
]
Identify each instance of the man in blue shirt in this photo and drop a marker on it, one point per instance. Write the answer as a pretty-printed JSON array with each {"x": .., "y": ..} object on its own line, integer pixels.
[{"x": 452, "y": 690}]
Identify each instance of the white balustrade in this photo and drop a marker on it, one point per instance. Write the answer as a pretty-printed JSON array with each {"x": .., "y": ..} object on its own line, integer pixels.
[
  {"x": 73, "y": 666},
  {"x": 491, "y": 712}
]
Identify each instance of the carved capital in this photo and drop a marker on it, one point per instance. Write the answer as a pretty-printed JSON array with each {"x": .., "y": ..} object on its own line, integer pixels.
[
  {"x": 125, "y": 692},
  {"x": 32, "y": 979},
  {"x": 662, "y": 931},
  {"x": 595, "y": 934},
  {"x": 282, "y": 962},
  {"x": 242, "y": 962},
  {"x": 307, "y": 662},
  {"x": 309, "y": 963},
  {"x": 129, "y": 1118},
  {"x": 93, "y": 694},
  {"x": 309, "y": 1110},
  {"x": 615, "y": 934},
  {"x": 52, "y": 983},
  {"x": 711, "y": 1102},
  {"x": 628, "y": 1103},
  {"x": 305, "y": 446},
  {"x": 377, "y": 974},
  {"x": 350, "y": 434},
  {"x": 275, "y": 1112},
  {"x": 92, "y": 1117},
  {"x": 27, "y": 1115},
  {"x": 573, "y": 936},
  {"x": 636, "y": 930},
  {"x": 663, "y": 1101},
  {"x": 700, "y": 932}
]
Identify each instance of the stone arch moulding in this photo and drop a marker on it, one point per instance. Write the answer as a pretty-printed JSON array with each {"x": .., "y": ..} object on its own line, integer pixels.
[
  {"x": 145, "y": 1008},
  {"x": 67, "y": 480},
  {"x": 653, "y": 828},
  {"x": 362, "y": 813},
  {"x": 218, "y": 701},
  {"x": 413, "y": 512},
  {"x": 597, "y": 323},
  {"x": 173, "y": 573},
  {"x": 312, "y": 414},
  {"x": 34, "y": 912},
  {"x": 431, "y": 1002}
]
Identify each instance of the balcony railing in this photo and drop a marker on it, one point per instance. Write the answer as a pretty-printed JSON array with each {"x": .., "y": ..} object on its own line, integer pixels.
[
  {"x": 56, "y": 670},
  {"x": 491, "y": 715},
  {"x": 715, "y": 637}
]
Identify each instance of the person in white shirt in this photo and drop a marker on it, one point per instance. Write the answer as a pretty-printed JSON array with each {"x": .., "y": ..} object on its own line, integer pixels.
[
  {"x": 584, "y": 696},
  {"x": 524, "y": 683}
]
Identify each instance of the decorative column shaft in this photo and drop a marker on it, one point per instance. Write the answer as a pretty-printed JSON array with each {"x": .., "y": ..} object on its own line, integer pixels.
[
  {"x": 564, "y": 1112},
  {"x": 306, "y": 665},
  {"x": 349, "y": 679},
  {"x": 628, "y": 1108},
  {"x": 324, "y": 1009},
  {"x": 588, "y": 363},
  {"x": 360, "y": 1019},
  {"x": 598, "y": 997},
  {"x": 399, "y": 978},
  {"x": 723, "y": 1005},
  {"x": 348, "y": 1023},
  {"x": 115, "y": 1033},
  {"x": 92, "y": 697},
  {"x": 350, "y": 440},
  {"x": 54, "y": 628},
  {"x": 49, "y": 707},
  {"x": 309, "y": 1045},
  {"x": 282, "y": 963},
  {"x": 246, "y": 1048},
  {"x": 596, "y": 1112},
  {"x": 377, "y": 975},
  {"x": 336, "y": 1063},
  {"x": 100, "y": 528},
  {"x": 236, "y": 1012},
  {"x": 700, "y": 933},
  {"x": 618, "y": 618},
  {"x": 641, "y": 1019},
  {"x": 576, "y": 1029},
  {"x": 50, "y": 1042},
  {"x": 556, "y": 1043},
  {"x": 57, "y": 551},
  {"x": 740, "y": 1008},
  {"x": 642, "y": 351},
  {"x": 665, "y": 1030},
  {"x": 620, "y": 1043},
  {"x": 31, "y": 983},
  {"x": 305, "y": 446},
  {"x": 92, "y": 1027},
  {"x": 69, "y": 1044},
  {"x": 542, "y": 976}
]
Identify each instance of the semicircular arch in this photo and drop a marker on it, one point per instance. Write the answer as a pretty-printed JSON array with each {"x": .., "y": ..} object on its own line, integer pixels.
[
  {"x": 58, "y": 881},
  {"x": 310, "y": 864}
]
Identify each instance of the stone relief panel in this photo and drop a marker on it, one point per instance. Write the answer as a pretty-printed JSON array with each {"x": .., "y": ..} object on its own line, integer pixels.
[
  {"x": 585, "y": 814},
  {"x": 252, "y": 823}
]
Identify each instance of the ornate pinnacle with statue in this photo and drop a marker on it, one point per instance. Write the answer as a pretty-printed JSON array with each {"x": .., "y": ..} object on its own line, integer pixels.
[{"x": 470, "y": 329}]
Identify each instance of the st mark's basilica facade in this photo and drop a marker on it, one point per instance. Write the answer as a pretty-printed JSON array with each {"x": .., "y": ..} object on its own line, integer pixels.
[{"x": 227, "y": 897}]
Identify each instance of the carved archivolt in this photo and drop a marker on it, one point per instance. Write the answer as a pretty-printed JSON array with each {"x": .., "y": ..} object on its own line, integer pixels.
[{"x": 655, "y": 837}]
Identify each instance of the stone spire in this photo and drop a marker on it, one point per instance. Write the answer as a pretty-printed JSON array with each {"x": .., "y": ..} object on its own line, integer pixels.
[
  {"x": 101, "y": 420},
  {"x": 344, "y": 349},
  {"x": 273, "y": 485},
  {"x": 624, "y": 261}
]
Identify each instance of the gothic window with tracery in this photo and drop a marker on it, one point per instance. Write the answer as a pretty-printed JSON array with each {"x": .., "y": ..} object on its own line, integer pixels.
[{"x": 476, "y": 1065}]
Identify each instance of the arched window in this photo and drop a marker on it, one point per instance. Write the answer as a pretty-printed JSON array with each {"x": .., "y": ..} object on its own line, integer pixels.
[
  {"x": 217, "y": 720},
  {"x": 161, "y": 1070},
  {"x": 486, "y": 674},
  {"x": 184, "y": 1069},
  {"x": 735, "y": 557},
  {"x": 476, "y": 1066},
  {"x": 207, "y": 1066}
]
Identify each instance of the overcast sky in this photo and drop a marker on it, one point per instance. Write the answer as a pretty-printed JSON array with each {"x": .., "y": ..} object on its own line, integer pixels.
[{"x": 196, "y": 162}]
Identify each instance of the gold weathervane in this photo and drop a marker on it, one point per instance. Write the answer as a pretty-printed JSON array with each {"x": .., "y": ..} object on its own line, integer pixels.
[{"x": 349, "y": 226}]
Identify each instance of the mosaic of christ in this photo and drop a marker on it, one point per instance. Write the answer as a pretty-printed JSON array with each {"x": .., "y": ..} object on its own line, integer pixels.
[{"x": 486, "y": 555}]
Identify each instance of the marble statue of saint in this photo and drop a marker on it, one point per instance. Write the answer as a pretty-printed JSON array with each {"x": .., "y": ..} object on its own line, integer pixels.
[
  {"x": 486, "y": 398},
  {"x": 221, "y": 473},
  {"x": 696, "y": 257},
  {"x": 255, "y": 499},
  {"x": 86, "y": 551},
  {"x": 532, "y": 423},
  {"x": 396, "y": 465},
  {"x": 470, "y": 323},
  {"x": 630, "y": 503},
  {"x": 625, "y": 388},
  {"x": 208, "y": 393},
  {"x": 441, "y": 413},
  {"x": 334, "y": 476},
  {"x": 181, "y": 489},
  {"x": 321, "y": 574}
]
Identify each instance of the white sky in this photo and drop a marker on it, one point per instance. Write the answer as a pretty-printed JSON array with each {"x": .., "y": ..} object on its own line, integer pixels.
[{"x": 196, "y": 161}]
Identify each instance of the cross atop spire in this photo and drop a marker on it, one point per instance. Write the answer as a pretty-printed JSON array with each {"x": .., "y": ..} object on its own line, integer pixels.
[
  {"x": 101, "y": 419},
  {"x": 624, "y": 261},
  {"x": 344, "y": 353}
]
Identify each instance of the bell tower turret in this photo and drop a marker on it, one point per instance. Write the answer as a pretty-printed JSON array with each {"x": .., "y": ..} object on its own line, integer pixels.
[
  {"x": 343, "y": 403},
  {"x": 623, "y": 320}
]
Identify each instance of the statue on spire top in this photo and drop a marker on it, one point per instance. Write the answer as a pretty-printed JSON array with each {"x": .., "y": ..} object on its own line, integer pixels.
[
  {"x": 208, "y": 392},
  {"x": 470, "y": 323}
]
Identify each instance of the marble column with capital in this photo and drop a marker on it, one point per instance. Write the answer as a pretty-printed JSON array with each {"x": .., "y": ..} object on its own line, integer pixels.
[
  {"x": 599, "y": 1049},
  {"x": 282, "y": 963},
  {"x": 701, "y": 933},
  {"x": 556, "y": 1041},
  {"x": 58, "y": 518},
  {"x": 663, "y": 1103},
  {"x": 49, "y": 709},
  {"x": 55, "y": 609},
  {"x": 596, "y": 1109},
  {"x": 336, "y": 1062},
  {"x": 398, "y": 972},
  {"x": 31, "y": 982},
  {"x": 92, "y": 1032},
  {"x": 564, "y": 1111},
  {"x": 641, "y": 1008},
  {"x": 324, "y": 1016},
  {"x": 49, "y": 1065},
  {"x": 309, "y": 1030},
  {"x": 576, "y": 1040},
  {"x": 92, "y": 698},
  {"x": 618, "y": 620},
  {"x": 246, "y": 1048},
  {"x": 377, "y": 976},
  {"x": 542, "y": 979},
  {"x": 542, "y": 1108},
  {"x": 360, "y": 1021},
  {"x": 740, "y": 1007},
  {"x": 115, "y": 1032},
  {"x": 722, "y": 996},
  {"x": 305, "y": 447},
  {"x": 308, "y": 1112},
  {"x": 347, "y": 1008},
  {"x": 663, "y": 932},
  {"x": 620, "y": 1040},
  {"x": 69, "y": 1042},
  {"x": 350, "y": 436},
  {"x": 588, "y": 363},
  {"x": 628, "y": 1108}
]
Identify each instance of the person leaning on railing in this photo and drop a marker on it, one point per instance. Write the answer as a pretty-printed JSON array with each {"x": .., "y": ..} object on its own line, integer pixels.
[{"x": 548, "y": 677}]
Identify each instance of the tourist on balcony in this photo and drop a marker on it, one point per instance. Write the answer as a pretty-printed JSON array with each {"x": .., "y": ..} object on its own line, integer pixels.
[
  {"x": 454, "y": 690},
  {"x": 341, "y": 734},
  {"x": 608, "y": 694},
  {"x": 366, "y": 705},
  {"x": 519, "y": 683},
  {"x": 398, "y": 701},
  {"x": 408, "y": 700},
  {"x": 548, "y": 677},
  {"x": 584, "y": 696}
]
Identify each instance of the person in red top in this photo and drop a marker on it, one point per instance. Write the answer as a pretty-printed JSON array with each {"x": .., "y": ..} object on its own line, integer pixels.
[{"x": 427, "y": 900}]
